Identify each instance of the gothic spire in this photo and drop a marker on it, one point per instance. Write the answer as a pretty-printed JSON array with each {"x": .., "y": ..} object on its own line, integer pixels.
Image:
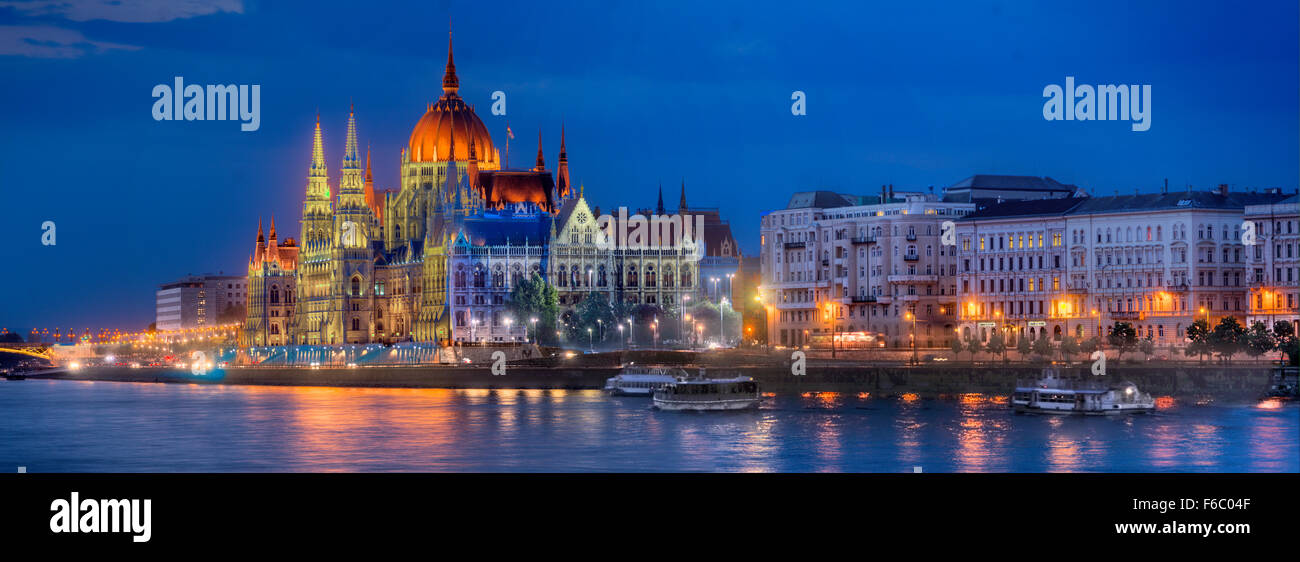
[
  {"x": 450, "y": 83},
  {"x": 351, "y": 160},
  {"x": 317, "y": 152},
  {"x": 541, "y": 162},
  {"x": 562, "y": 184},
  {"x": 681, "y": 206},
  {"x": 261, "y": 238},
  {"x": 272, "y": 226},
  {"x": 659, "y": 209}
]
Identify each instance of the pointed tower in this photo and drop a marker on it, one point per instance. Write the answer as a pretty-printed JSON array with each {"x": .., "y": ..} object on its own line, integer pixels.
[
  {"x": 659, "y": 209},
  {"x": 562, "y": 185},
  {"x": 317, "y": 231},
  {"x": 681, "y": 205},
  {"x": 450, "y": 83},
  {"x": 541, "y": 162},
  {"x": 351, "y": 184},
  {"x": 261, "y": 239}
]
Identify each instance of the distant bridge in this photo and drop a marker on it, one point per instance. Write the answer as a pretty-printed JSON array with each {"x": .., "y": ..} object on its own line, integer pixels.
[{"x": 38, "y": 350}]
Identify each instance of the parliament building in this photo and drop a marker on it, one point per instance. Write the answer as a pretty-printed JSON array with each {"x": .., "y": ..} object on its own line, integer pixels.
[{"x": 435, "y": 259}]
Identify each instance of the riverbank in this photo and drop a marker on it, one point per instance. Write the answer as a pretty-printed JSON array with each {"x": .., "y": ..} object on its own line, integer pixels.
[{"x": 1230, "y": 382}]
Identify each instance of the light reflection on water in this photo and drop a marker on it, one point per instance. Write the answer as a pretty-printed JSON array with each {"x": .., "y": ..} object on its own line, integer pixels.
[{"x": 121, "y": 427}]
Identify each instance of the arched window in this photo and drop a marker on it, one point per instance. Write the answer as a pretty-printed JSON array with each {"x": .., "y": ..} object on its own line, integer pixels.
[
  {"x": 379, "y": 313},
  {"x": 668, "y": 277},
  {"x": 686, "y": 277},
  {"x": 275, "y": 294},
  {"x": 356, "y": 324},
  {"x": 650, "y": 276},
  {"x": 600, "y": 276},
  {"x": 480, "y": 276},
  {"x": 460, "y": 276},
  {"x": 356, "y": 287},
  {"x": 631, "y": 276}
]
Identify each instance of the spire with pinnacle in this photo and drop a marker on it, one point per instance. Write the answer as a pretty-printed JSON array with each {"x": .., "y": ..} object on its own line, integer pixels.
[
  {"x": 681, "y": 205},
  {"x": 272, "y": 227},
  {"x": 659, "y": 210},
  {"x": 318, "y": 175},
  {"x": 261, "y": 238},
  {"x": 541, "y": 162},
  {"x": 351, "y": 160},
  {"x": 450, "y": 83},
  {"x": 562, "y": 184}
]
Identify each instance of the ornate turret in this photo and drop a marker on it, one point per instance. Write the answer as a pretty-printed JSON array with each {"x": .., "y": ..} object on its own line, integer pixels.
[{"x": 318, "y": 175}]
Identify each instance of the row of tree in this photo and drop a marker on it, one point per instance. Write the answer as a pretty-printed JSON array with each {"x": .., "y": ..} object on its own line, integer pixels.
[
  {"x": 1228, "y": 338},
  {"x": 535, "y": 298}
]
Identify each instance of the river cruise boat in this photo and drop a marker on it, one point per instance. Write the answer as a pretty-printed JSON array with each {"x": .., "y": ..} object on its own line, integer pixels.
[
  {"x": 641, "y": 381},
  {"x": 1053, "y": 394},
  {"x": 702, "y": 394}
]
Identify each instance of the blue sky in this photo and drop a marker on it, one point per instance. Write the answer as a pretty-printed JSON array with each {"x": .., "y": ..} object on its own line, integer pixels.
[{"x": 914, "y": 94}]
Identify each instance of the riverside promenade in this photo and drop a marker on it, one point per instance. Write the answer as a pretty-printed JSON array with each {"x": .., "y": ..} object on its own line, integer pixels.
[{"x": 1240, "y": 381}]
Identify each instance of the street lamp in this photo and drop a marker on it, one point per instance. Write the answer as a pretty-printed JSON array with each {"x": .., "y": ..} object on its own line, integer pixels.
[
  {"x": 509, "y": 322},
  {"x": 912, "y": 316},
  {"x": 722, "y": 327},
  {"x": 533, "y": 321},
  {"x": 620, "y": 335},
  {"x": 591, "y": 343}
]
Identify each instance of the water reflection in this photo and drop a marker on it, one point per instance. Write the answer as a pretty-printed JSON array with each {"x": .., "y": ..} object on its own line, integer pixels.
[{"x": 109, "y": 427}]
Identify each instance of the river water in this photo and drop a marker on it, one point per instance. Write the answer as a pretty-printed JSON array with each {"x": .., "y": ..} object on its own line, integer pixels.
[{"x": 76, "y": 426}]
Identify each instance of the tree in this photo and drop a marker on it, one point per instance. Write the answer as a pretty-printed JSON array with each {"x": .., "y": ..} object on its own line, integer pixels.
[
  {"x": 535, "y": 298},
  {"x": 595, "y": 313},
  {"x": 1198, "y": 339},
  {"x": 1069, "y": 347},
  {"x": 1147, "y": 347},
  {"x": 1287, "y": 342},
  {"x": 1259, "y": 340},
  {"x": 1022, "y": 347},
  {"x": 1122, "y": 337},
  {"x": 1228, "y": 338},
  {"x": 997, "y": 345},
  {"x": 974, "y": 347},
  {"x": 1090, "y": 345},
  {"x": 1043, "y": 347},
  {"x": 958, "y": 348}
]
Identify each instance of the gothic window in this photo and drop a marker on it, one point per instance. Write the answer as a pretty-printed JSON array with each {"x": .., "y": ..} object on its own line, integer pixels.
[
  {"x": 480, "y": 276},
  {"x": 631, "y": 276},
  {"x": 460, "y": 275},
  {"x": 356, "y": 324},
  {"x": 379, "y": 313},
  {"x": 686, "y": 277},
  {"x": 498, "y": 277},
  {"x": 600, "y": 276},
  {"x": 275, "y": 294},
  {"x": 650, "y": 276},
  {"x": 668, "y": 277},
  {"x": 356, "y": 287}
]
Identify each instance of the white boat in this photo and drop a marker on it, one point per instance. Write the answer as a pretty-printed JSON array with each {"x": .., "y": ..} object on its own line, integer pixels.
[
  {"x": 1052, "y": 394},
  {"x": 704, "y": 394},
  {"x": 641, "y": 381}
]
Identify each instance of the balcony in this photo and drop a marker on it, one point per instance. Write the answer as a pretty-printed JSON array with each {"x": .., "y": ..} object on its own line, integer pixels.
[
  {"x": 911, "y": 237},
  {"x": 1180, "y": 287},
  {"x": 912, "y": 257},
  {"x": 789, "y": 245},
  {"x": 863, "y": 240},
  {"x": 914, "y": 278},
  {"x": 863, "y": 298}
]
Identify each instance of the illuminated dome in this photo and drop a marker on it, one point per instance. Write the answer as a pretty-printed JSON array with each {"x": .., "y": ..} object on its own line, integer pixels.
[{"x": 451, "y": 118}]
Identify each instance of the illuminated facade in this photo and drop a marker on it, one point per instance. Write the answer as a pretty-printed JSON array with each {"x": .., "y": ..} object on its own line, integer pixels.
[
  {"x": 1273, "y": 263},
  {"x": 272, "y": 278},
  {"x": 872, "y": 268},
  {"x": 1075, "y": 266},
  {"x": 436, "y": 259}
]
